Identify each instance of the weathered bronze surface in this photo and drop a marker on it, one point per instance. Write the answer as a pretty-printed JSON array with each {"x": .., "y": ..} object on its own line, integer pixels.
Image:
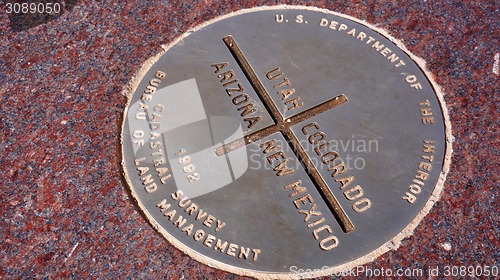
[{"x": 282, "y": 139}]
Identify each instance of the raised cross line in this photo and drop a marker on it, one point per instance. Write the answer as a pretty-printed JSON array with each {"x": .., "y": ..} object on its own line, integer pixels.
[{"x": 283, "y": 125}]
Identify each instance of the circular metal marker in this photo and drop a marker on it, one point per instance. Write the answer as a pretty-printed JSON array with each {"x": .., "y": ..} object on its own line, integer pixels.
[{"x": 285, "y": 142}]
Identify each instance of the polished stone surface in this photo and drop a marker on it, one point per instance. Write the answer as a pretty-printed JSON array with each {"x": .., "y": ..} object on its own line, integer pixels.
[{"x": 65, "y": 210}]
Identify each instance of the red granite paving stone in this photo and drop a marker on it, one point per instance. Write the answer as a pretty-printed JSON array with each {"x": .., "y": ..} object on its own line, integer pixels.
[{"x": 65, "y": 210}]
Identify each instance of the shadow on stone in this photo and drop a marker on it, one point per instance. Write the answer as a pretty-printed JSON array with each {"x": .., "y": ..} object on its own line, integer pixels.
[{"x": 24, "y": 20}]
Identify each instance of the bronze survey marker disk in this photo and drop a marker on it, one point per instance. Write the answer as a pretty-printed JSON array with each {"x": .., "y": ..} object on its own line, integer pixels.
[{"x": 275, "y": 141}]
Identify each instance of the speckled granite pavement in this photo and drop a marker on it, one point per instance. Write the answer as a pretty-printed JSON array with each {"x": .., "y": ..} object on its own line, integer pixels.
[{"x": 65, "y": 210}]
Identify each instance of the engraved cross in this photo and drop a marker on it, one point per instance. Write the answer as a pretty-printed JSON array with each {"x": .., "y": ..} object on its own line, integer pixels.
[{"x": 283, "y": 125}]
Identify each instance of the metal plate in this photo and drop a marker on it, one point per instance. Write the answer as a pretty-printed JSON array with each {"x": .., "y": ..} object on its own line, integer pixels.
[{"x": 285, "y": 142}]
